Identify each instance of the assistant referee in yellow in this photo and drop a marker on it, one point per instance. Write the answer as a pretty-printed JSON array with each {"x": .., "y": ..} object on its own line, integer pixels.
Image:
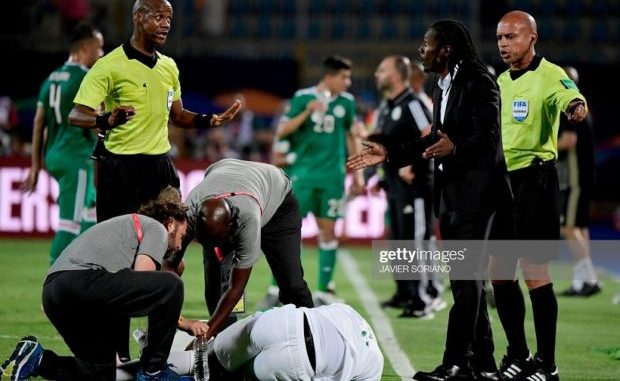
[{"x": 141, "y": 92}]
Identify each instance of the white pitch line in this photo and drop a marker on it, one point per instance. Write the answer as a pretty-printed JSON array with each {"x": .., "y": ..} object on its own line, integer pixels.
[{"x": 381, "y": 323}]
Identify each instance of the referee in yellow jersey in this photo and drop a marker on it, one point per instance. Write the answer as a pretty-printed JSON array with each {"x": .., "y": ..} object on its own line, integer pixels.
[
  {"x": 534, "y": 92},
  {"x": 141, "y": 92}
]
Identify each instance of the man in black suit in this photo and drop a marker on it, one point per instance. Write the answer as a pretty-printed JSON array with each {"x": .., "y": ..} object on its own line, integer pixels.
[{"x": 472, "y": 196}]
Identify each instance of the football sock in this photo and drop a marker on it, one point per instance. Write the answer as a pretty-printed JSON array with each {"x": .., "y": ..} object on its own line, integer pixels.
[
  {"x": 545, "y": 311},
  {"x": 511, "y": 310},
  {"x": 327, "y": 262}
]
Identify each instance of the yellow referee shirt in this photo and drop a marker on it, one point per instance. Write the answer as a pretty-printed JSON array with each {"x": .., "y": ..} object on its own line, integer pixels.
[
  {"x": 531, "y": 107},
  {"x": 129, "y": 78}
]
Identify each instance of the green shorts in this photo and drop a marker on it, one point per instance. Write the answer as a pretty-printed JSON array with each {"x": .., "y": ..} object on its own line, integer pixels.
[
  {"x": 76, "y": 192},
  {"x": 322, "y": 202}
]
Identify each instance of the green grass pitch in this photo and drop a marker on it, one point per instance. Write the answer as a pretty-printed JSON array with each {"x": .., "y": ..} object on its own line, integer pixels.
[{"x": 587, "y": 327}]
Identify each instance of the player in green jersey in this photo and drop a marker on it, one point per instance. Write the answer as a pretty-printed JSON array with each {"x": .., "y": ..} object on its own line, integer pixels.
[
  {"x": 313, "y": 139},
  {"x": 67, "y": 148}
]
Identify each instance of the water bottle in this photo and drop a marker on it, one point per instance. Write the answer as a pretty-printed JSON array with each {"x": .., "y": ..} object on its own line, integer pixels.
[{"x": 201, "y": 363}]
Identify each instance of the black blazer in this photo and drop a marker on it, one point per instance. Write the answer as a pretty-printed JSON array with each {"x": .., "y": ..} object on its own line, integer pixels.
[{"x": 474, "y": 180}]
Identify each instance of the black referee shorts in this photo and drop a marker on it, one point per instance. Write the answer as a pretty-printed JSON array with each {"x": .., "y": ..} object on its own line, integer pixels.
[
  {"x": 537, "y": 201},
  {"x": 125, "y": 182}
]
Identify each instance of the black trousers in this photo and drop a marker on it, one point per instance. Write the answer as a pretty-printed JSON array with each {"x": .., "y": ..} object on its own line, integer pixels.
[
  {"x": 409, "y": 223},
  {"x": 84, "y": 306},
  {"x": 124, "y": 183},
  {"x": 281, "y": 244},
  {"x": 127, "y": 181},
  {"x": 469, "y": 340}
]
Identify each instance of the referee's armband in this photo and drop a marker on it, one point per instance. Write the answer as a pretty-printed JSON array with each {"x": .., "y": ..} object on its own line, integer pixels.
[{"x": 203, "y": 120}]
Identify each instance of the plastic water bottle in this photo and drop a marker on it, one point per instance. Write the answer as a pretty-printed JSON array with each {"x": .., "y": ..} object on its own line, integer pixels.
[{"x": 201, "y": 363}]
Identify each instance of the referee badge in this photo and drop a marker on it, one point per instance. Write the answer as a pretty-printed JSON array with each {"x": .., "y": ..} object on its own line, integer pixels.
[
  {"x": 520, "y": 109},
  {"x": 170, "y": 96},
  {"x": 397, "y": 112}
]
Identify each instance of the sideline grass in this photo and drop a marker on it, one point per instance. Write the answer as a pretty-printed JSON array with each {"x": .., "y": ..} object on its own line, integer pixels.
[{"x": 586, "y": 327}]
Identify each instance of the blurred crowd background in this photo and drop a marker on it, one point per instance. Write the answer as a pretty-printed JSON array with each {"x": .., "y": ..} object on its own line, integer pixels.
[{"x": 264, "y": 50}]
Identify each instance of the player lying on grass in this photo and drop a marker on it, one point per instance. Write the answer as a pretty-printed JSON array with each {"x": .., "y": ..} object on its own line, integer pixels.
[{"x": 287, "y": 343}]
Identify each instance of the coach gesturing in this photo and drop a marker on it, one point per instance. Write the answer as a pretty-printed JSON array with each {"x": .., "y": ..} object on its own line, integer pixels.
[{"x": 472, "y": 197}]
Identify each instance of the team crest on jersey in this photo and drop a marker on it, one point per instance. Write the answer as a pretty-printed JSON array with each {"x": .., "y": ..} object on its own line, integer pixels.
[
  {"x": 397, "y": 112},
  {"x": 170, "y": 96},
  {"x": 339, "y": 111},
  {"x": 520, "y": 109}
]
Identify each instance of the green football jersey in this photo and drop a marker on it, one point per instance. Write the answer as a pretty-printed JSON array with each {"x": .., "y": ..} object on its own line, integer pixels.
[
  {"x": 319, "y": 146},
  {"x": 56, "y": 97}
]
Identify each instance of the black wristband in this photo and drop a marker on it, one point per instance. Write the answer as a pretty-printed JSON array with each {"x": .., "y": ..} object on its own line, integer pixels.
[
  {"x": 103, "y": 121},
  {"x": 203, "y": 120}
]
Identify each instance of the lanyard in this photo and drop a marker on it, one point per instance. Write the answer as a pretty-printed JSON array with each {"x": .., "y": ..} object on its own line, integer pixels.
[{"x": 136, "y": 224}]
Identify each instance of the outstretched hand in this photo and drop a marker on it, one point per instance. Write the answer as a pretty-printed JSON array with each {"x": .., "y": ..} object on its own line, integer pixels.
[
  {"x": 576, "y": 111},
  {"x": 443, "y": 147},
  {"x": 372, "y": 154},
  {"x": 219, "y": 119}
]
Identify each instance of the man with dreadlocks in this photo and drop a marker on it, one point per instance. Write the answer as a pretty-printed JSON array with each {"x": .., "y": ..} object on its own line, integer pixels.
[{"x": 472, "y": 196}]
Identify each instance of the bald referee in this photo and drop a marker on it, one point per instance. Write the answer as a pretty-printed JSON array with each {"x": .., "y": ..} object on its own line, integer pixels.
[
  {"x": 534, "y": 92},
  {"x": 140, "y": 90}
]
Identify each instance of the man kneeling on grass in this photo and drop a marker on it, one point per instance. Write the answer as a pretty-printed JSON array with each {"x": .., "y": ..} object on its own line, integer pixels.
[{"x": 108, "y": 273}]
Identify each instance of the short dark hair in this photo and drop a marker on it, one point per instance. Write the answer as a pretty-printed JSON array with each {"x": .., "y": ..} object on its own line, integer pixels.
[
  {"x": 81, "y": 33},
  {"x": 333, "y": 64},
  {"x": 162, "y": 211}
]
